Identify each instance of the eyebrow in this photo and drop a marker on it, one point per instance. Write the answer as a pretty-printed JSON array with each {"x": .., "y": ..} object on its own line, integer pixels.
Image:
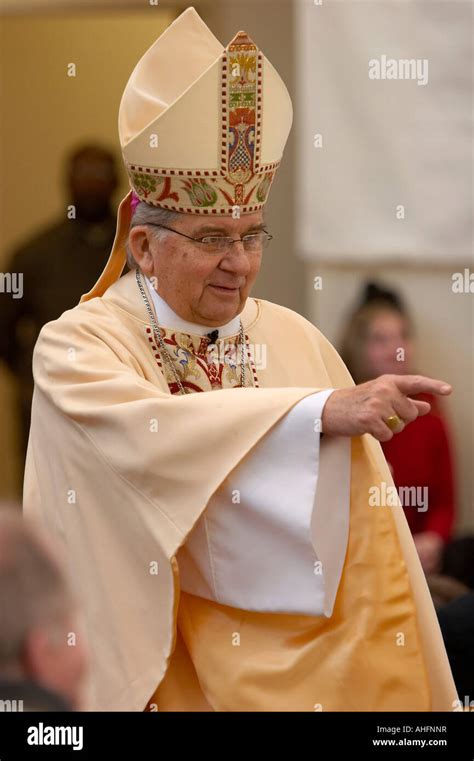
[{"x": 216, "y": 229}]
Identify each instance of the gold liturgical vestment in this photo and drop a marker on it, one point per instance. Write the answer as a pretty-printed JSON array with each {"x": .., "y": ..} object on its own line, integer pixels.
[{"x": 124, "y": 499}]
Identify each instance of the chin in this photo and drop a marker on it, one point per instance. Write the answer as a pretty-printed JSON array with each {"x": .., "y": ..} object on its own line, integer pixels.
[
  {"x": 222, "y": 313},
  {"x": 222, "y": 317}
]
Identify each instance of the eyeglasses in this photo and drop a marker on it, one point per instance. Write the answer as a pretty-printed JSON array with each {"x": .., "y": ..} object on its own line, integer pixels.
[{"x": 217, "y": 244}]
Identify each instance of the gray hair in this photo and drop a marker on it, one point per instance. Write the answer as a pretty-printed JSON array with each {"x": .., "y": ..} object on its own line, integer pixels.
[
  {"x": 145, "y": 214},
  {"x": 34, "y": 589}
]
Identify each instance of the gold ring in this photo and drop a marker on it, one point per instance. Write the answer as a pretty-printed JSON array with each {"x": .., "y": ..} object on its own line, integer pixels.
[{"x": 393, "y": 422}]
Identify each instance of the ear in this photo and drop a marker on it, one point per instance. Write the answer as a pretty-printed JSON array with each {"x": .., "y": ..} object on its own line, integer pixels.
[{"x": 139, "y": 240}]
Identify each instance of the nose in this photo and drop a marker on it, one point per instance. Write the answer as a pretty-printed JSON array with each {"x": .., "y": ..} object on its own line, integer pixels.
[{"x": 236, "y": 259}]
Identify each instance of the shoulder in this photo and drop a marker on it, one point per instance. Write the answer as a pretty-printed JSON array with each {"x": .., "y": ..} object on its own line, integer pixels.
[
  {"x": 88, "y": 324},
  {"x": 286, "y": 318},
  {"x": 293, "y": 331},
  {"x": 281, "y": 320},
  {"x": 81, "y": 316},
  {"x": 82, "y": 343}
]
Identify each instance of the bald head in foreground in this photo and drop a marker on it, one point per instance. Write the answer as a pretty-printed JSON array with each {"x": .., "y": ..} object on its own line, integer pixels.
[{"x": 42, "y": 656}]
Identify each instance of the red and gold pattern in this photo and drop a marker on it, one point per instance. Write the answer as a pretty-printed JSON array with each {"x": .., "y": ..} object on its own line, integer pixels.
[
  {"x": 242, "y": 181},
  {"x": 200, "y": 366}
]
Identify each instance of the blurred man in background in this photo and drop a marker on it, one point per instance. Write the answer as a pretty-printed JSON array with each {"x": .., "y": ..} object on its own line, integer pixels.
[{"x": 58, "y": 265}]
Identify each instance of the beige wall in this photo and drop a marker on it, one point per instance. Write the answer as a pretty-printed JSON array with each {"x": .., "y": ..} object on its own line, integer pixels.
[{"x": 49, "y": 112}]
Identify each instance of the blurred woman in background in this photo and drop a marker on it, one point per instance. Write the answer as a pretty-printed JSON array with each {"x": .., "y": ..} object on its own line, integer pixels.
[{"x": 379, "y": 339}]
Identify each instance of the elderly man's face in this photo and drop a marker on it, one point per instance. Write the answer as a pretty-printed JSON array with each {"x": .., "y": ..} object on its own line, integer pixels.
[{"x": 206, "y": 288}]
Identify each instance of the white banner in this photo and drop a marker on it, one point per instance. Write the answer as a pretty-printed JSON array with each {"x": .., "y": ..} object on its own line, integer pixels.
[{"x": 383, "y": 128}]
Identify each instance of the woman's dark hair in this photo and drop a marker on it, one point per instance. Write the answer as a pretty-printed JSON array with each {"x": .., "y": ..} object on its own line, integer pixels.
[{"x": 375, "y": 293}]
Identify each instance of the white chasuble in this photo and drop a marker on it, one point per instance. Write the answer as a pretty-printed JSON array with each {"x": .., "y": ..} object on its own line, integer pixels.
[{"x": 139, "y": 482}]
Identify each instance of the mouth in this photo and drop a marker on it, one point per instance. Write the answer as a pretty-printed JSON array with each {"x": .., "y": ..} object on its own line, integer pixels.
[{"x": 223, "y": 289}]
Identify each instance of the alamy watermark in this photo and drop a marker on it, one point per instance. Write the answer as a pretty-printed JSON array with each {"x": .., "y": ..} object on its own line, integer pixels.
[
  {"x": 401, "y": 68},
  {"x": 387, "y": 495},
  {"x": 11, "y": 706},
  {"x": 230, "y": 355},
  {"x": 12, "y": 282}
]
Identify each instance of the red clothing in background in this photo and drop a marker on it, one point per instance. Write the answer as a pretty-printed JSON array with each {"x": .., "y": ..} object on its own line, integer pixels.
[{"x": 421, "y": 456}]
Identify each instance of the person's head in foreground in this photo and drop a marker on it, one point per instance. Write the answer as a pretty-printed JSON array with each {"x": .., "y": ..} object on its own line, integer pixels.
[{"x": 42, "y": 655}]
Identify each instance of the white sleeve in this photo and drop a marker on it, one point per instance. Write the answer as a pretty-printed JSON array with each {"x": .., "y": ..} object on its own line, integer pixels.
[{"x": 274, "y": 535}]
